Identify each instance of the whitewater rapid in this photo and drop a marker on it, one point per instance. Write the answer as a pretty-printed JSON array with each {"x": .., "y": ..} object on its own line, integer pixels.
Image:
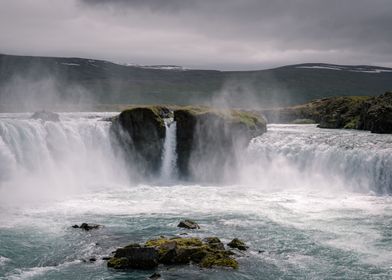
[
  {"x": 310, "y": 203},
  {"x": 41, "y": 158}
]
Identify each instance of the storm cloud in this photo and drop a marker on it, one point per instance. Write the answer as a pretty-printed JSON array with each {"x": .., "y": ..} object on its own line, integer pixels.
[{"x": 216, "y": 34}]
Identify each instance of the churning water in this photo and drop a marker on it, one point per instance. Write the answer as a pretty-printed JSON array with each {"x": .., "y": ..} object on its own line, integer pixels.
[{"x": 310, "y": 203}]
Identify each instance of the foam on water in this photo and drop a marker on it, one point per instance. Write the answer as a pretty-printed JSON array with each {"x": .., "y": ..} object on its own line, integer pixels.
[
  {"x": 304, "y": 201},
  {"x": 290, "y": 156}
]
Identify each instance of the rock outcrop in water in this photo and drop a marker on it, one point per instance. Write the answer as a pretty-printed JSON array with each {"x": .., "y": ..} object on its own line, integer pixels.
[
  {"x": 206, "y": 138},
  {"x": 141, "y": 131},
  {"x": 173, "y": 251},
  {"x": 350, "y": 112}
]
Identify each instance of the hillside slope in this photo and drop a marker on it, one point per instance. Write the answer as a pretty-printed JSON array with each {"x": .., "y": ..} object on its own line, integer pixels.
[{"x": 76, "y": 80}]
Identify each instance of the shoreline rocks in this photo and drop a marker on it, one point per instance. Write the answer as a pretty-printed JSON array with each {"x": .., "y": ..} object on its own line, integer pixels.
[{"x": 348, "y": 112}]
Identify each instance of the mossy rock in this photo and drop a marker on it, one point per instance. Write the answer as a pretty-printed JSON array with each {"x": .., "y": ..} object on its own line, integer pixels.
[
  {"x": 118, "y": 263},
  {"x": 238, "y": 244},
  {"x": 185, "y": 250},
  {"x": 218, "y": 259}
]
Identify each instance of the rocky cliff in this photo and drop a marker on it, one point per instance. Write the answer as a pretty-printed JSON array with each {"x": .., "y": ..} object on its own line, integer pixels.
[
  {"x": 353, "y": 112},
  {"x": 207, "y": 139}
]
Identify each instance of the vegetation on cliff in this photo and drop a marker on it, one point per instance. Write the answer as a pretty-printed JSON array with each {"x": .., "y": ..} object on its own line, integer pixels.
[{"x": 353, "y": 112}]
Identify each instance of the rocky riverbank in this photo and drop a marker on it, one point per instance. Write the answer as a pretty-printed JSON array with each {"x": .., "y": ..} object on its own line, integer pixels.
[{"x": 349, "y": 112}]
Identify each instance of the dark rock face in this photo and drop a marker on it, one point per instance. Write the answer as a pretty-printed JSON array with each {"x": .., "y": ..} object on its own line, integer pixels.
[
  {"x": 208, "y": 140},
  {"x": 376, "y": 114},
  {"x": 46, "y": 116},
  {"x": 189, "y": 224},
  {"x": 134, "y": 257},
  {"x": 155, "y": 276},
  {"x": 141, "y": 132}
]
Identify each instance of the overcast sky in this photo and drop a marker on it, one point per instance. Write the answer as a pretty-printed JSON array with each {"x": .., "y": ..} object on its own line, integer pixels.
[{"x": 212, "y": 34}]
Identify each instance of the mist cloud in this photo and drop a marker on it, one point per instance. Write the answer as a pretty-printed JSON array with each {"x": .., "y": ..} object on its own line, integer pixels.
[{"x": 218, "y": 34}]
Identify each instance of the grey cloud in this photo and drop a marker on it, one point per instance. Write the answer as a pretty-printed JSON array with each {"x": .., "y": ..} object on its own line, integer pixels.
[{"x": 223, "y": 34}]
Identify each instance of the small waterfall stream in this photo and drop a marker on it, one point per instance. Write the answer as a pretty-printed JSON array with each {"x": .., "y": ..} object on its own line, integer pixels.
[{"x": 169, "y": 155}]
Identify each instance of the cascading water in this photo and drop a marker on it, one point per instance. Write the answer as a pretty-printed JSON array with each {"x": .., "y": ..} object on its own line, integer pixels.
[
  {"x": 307, "y": 157},
  {"x": 169, "y": 156},
  {"x": 302, "y": 201},
  {"x": 40, "y": 158}
]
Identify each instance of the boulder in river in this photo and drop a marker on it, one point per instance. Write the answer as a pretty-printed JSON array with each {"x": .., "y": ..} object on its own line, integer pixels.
[
  {"x": 172, "y": 251},
  {"x": 238, "y": 244},
  {"x": 188, "y": 224},
  {"x": 87, "y": 227},
  {"x": 134, "y": 257}
]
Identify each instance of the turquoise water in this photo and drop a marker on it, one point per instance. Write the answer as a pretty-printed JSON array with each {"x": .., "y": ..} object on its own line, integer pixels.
[
  {"x": 310, "y": 203},
  {"x": 292, "y": 235}
]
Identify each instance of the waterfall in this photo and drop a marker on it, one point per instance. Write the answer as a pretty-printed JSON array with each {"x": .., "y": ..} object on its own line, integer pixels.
[
  {"x": 39, "y": 158},
  {"x": 169, "y": 155},
  {"x": 308, "y": 157}
]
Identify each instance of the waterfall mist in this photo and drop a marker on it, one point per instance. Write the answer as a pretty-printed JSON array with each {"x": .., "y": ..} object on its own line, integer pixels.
[{"x": 51, "y": 159}]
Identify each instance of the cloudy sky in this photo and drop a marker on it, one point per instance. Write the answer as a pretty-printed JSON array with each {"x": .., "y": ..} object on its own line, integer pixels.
[{"x": 212, "y": 34}]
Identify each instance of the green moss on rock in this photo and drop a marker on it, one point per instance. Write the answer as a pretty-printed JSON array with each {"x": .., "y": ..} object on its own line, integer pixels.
[
  {"x": 218, "y": 259},
  {"x": 118, "y": 263}
]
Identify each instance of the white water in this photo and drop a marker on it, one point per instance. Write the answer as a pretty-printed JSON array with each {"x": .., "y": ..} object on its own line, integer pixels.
[
  {"x": 39, "y": 159},
  {"x": 306, "y": 157},
  {"x": 303, "y": 195},
  {"x": 169, "y": 156}
]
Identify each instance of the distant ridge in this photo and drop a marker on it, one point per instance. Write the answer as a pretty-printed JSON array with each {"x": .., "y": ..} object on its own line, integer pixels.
[{"x": 111, "y": 83}]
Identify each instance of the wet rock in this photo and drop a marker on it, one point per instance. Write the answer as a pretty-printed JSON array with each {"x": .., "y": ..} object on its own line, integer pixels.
[
  {"x": 87, "y": 227},
  {"x": 208, "y": 138},
  {"x": 185, "y": 250},
  {"x": 173, "y": 251},
  {"x": 237, "y": 244},
  {"x": 106, "y": 258},
  {"x": 46, "y": 116},
  {"x": 155, "y": 276},
  {"x": 189, "y": 224},
  {"x": 93, "y": 259},
  {"x": 134, "y": 257},
  {"x": 141, "y": 133},
  {"x": 214, "y": 242}
]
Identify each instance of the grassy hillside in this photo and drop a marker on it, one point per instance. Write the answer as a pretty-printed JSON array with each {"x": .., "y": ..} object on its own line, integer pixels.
[{"x": 47, "y": 80}]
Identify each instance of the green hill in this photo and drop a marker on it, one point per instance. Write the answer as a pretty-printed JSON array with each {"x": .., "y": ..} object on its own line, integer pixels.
[{"x": 50, "y": 80}]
